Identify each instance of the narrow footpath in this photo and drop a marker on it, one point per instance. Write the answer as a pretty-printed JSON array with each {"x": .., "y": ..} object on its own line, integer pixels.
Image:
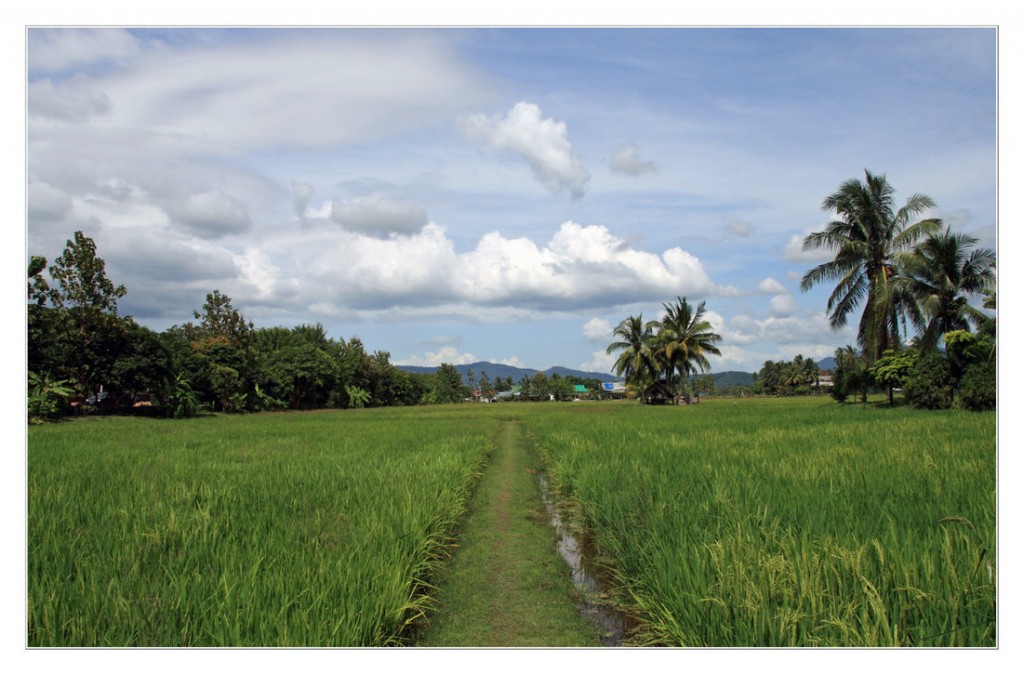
[{"x": 506, "y": 585}]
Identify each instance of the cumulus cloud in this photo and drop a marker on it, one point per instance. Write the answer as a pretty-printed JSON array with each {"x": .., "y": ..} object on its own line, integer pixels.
[
  {"x": 580, "y": 267},
  {"x": 789, "y": 330},
  {"x": 597, "y": 329},
  {"x": 770, "y": 285},
  {"x": 542, "y": 142},
  {"x": 378, "y": 216},
  {"x": 448, "y": 354},
  {"x": 782, "y": 305},
  {"x": 600, "y": 362},
  {"x": 794, "y": 250},
  {"x": 212, "y": 214},
  {"x": 626, "y": 160}
]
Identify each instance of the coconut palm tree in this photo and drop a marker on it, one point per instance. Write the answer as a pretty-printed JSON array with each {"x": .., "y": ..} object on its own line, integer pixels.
[
  {"x": 865, "y": 240},
  {"x": 942, "y": 273},
  {"x": 684, "y": 340},
  {"x": 636, "y": 361}
]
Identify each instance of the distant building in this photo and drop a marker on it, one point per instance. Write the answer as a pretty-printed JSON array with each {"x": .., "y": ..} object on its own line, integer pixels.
[{"x": 613, "y": 390}]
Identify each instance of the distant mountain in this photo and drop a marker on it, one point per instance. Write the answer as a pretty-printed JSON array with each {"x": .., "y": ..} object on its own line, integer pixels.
[
  {"x": 495, "y": 370},
  {"x": 729, "y": 378}
]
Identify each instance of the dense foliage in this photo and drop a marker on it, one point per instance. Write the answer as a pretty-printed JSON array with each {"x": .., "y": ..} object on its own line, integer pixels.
[{"x": 83, "y": 355}]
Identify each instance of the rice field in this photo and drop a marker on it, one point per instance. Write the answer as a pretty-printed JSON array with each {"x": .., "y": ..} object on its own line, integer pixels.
[
  {"x": 789, "y": 522},
  {"x": 264, "y": 530}
]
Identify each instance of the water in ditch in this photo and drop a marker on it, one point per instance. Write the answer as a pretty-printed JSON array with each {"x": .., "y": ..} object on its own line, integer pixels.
[{"x": 611, "y": 624}]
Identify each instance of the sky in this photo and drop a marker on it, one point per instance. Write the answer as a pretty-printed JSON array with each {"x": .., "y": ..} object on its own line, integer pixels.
[{"x": 496, "y": 194}]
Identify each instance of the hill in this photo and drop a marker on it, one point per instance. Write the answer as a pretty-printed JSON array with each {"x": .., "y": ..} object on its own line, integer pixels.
[
  {"x": 728, "y": 378},
  {"x": 495, "y": 370}
]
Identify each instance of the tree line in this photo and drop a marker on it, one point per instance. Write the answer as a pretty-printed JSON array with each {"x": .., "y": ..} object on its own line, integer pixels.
[{"x": 83, "y": 355}]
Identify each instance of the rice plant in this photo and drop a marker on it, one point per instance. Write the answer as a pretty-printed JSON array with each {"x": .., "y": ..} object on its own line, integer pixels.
[
  {"x": 316, "y": 529},
  {"x": 789, "y": 523}
]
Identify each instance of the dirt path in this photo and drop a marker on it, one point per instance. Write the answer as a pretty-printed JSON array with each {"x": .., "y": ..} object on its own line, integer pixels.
[{"x": 507, "y": 585}]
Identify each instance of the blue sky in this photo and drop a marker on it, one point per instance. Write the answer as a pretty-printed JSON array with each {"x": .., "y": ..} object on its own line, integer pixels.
[{"x": 495, "y": 193}]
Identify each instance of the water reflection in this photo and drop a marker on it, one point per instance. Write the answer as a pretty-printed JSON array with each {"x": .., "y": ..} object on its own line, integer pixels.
[{"x": 610, "y": 623}]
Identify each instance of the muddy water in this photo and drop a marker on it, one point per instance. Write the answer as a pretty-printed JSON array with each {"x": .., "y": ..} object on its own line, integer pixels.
[{"x": 611, "y": 624}]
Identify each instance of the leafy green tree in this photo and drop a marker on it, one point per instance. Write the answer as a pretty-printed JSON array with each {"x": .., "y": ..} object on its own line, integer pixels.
[
  {"x": 224, "y": 349},
  {"x": 942, "y": 274},
  {"x": 978, "y": 386},
  {"x": 143, "y": 364},
  {"x": 772, "y": 378},
  {"x": 85, "y": 332},
  {"x": 539, "y": 386},
  {"x": 38, "y": 289},
  {"x": 865, "y": 241},
  {"x": 965, "y": 349},
  {"x": 296, "y": 365},
  {"x": 448, "y": 384},
  {"x": 930, "y": 384},
  {"x": 893, "y": 369},
  {"x": 851, "y": 374}
]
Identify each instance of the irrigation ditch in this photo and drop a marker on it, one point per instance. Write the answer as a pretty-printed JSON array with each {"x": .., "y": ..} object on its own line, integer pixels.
[{"x": 612, "y": 625}]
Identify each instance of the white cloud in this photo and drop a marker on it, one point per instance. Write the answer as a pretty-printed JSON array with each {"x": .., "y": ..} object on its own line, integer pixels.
[
  {"x": 770, "y": 285},
  {"x": 597, "y": 329},
  {"x": 600, "y": 362},
  {"x": 813, "y": 329},
  {"x": 782, "y": 305},
  {"x": 448, "y": 354},
  {"x": 379, "y": 216},
  {"x": 794, "y": 249},
  {"x": 542, "y": 142},
  {"x": 626, "y": 160}
]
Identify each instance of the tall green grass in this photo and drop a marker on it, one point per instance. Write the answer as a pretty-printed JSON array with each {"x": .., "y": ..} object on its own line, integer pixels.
[
  {"x": 788, "y": 522},
  {"x": 317, "y": 529}
]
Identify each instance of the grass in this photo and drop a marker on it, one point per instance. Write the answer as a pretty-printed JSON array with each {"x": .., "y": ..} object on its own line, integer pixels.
[
  {"x": 507, "y": 585},
  {"x": 790, "y": 522},
  {"x": 268, "y": 530}
]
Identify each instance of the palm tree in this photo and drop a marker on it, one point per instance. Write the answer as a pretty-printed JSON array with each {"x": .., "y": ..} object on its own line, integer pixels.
[
  {"x": 941, "y": 274},
  {"x": 684, "y": 339},
  {"x": 866, "y": 238},
  {"x": 636, "y": 361}
]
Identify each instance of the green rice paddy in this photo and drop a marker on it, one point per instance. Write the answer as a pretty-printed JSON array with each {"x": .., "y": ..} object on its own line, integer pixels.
[{"x": 789, "y": 522}]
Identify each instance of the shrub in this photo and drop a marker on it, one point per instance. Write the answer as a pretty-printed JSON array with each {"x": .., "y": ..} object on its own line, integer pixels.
[
  {"x": 930, "y": 383},
  {"x": 978, "y": 387}
]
